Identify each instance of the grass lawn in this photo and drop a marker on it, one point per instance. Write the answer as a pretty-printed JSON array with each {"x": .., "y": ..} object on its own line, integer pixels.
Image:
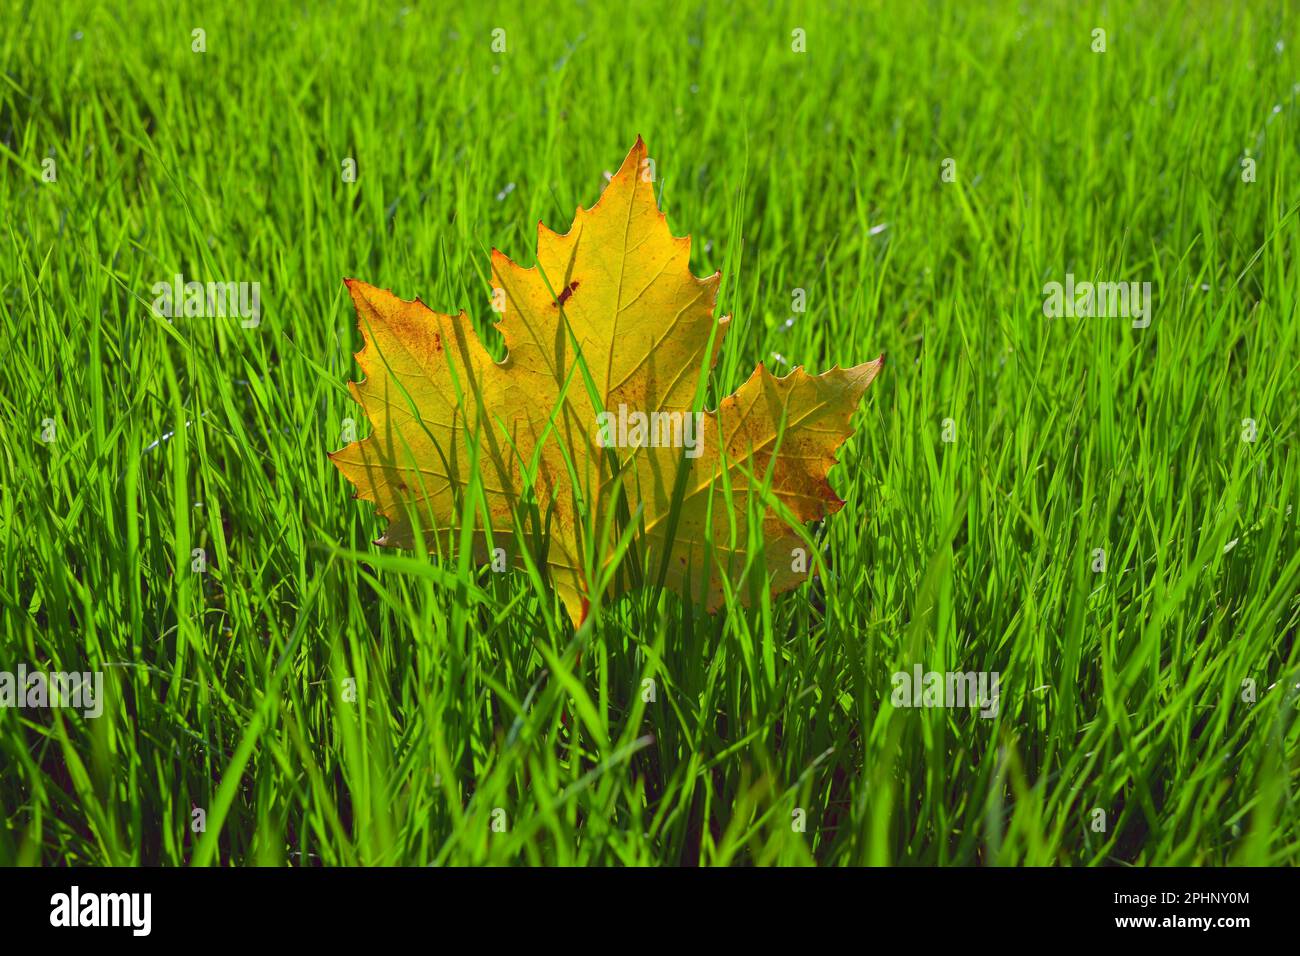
[{"x": 1100, "y": 510}]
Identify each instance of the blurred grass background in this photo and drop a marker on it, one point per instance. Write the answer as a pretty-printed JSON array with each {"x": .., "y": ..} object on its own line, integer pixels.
[{"x": 771, "y": 738}]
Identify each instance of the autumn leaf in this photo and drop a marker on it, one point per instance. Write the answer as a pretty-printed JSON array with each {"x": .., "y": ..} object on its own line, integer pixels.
[{"x": 591, "y": 431}]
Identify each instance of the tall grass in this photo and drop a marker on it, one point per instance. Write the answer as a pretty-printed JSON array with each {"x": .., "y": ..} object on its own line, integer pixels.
[{"x": 478, "y": 726}]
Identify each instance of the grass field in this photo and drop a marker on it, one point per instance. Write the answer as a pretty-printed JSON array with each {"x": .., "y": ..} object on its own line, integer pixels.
[{"x": 1147, "y": 712}]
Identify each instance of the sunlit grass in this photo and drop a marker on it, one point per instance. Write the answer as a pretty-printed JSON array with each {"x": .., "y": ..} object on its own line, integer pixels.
[{"x": 475, "y": 701}]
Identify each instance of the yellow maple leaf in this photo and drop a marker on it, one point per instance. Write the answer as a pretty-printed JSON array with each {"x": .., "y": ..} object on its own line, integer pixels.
[{"x": 598, "y": 403}]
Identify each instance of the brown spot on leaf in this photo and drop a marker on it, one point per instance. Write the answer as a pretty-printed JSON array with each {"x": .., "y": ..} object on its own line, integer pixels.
[{"x": 564, "y": 294}]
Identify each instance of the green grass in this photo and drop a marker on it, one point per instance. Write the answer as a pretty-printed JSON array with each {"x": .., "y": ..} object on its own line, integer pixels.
[{"x": 1120, "y": 691}]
